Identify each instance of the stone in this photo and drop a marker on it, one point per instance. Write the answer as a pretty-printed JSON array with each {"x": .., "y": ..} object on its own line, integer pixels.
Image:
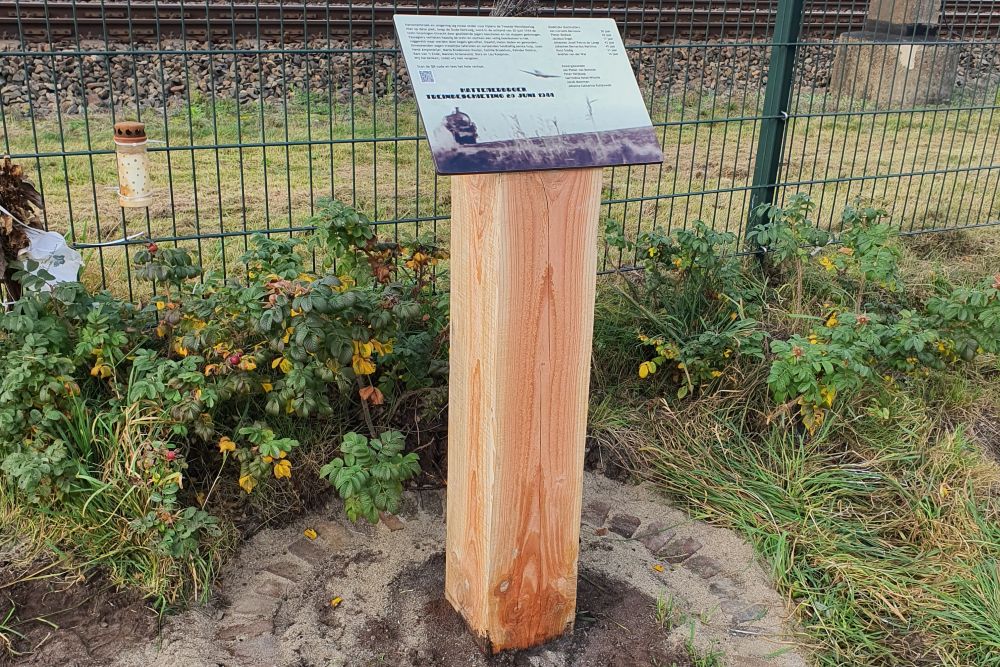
[
  {"x": 308, "y": 550},
  {"x": 655, "y": 536},
  {"x": 409, "y": 505},
  {"x": 431, "y": 502},
  {"x": 679, "y": 550},
  {"x": 624, "y": 524},
  {"x": 704, "y": 566},
  {"x": 596, "y": 513},
  {"x": 272, "y": 586},
  {"x": 330, "y": 535},
  {"x": 724, "y": 587},
  {"x": 260, "y": 650},
  {"x": 391, "y": 521},
  {"x": 754, "y": 612},
  {"x": 902, "y": 12},
  {"x": 601, "y": 532},
  {"x": 292, "y": 570},
  {"x": 244, "y": 630},
  {"x": 893, "y": 73},
  {"x": 252, "y": 605}
]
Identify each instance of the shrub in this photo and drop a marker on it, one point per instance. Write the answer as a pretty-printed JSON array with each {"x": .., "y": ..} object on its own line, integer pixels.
[
  {"x": 788, "y": 236},
  {"x": 370, "y": 475},
  {"x": 204, "y": 366},
  {"x": 695, "y": 304}
]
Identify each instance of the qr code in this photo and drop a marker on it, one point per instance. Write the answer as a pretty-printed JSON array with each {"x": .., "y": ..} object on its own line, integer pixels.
[{"x": 426, "y": 76}]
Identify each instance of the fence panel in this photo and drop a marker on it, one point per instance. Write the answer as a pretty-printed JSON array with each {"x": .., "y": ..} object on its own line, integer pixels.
[{"x": 260, "y": 108}]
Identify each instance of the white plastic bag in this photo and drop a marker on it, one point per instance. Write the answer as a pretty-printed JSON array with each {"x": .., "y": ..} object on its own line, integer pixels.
[{"x": 53, "y": 255}]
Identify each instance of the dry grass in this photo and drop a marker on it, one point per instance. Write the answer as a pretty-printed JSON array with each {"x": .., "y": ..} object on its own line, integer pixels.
[{"x": 367, "y": 155}]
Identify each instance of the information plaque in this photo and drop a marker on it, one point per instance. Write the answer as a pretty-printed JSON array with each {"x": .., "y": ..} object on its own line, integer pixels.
[{"x": 518, "y": 94}]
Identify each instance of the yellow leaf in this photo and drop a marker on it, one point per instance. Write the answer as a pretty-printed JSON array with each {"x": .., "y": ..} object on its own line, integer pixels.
[
  {"x": 382, "y": 348},
  {"x": 363, "y": 365},
  {"x": 335, "y": 602},
  {"x": 248, "y": 363},
  {"x": 644, "y": 369},
  {"x": 268, "y": 459},
  {"x": 226, "y": 445},
  {"x": 247, "y": 483},
  {"x": 266, "y": 386},
  {"x": 283, "y": 468},
  {"x": 944, "y": 490},
  {"x": 658, "y": 567},
  {"x": 362, "y": 349},
  {"x": 310, "y": 533},
  {"x": 160, "y": 305},
  {"x": 285, "y": 365}
]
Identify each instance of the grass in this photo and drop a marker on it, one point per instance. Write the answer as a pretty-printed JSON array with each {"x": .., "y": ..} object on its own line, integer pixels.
[
  {"x": 883, "y": 530},
  {"x": 92, "y": 528},
  {"x": 9, "y": 633},
  {"x": 367, "y": 154}
]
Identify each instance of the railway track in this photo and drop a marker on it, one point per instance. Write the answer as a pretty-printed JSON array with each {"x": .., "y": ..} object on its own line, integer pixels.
[{"x": 38, "y": 21}]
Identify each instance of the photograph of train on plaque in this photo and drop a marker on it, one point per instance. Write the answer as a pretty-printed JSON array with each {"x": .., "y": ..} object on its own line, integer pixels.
[{"x": 516, "y": 94}]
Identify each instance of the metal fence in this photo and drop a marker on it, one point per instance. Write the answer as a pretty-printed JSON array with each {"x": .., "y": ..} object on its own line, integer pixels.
[{"x": 259, "y": 109}]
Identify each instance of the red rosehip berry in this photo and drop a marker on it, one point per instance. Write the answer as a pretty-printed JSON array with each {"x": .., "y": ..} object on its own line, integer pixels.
[
  {"x": 234, "y": 359},
  {"x": 170, "y": 455},
  {"x": 152, "y": 248}
]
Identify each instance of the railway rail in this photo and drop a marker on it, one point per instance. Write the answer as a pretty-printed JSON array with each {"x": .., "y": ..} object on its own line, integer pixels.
[{"x": 38, "y": 21}]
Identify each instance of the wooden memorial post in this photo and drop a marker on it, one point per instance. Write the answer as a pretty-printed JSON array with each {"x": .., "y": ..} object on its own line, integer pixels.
[{"x": 523, "y": 273}]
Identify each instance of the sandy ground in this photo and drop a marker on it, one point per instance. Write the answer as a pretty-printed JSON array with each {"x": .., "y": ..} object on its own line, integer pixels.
[{"x": 275, "y": 607}]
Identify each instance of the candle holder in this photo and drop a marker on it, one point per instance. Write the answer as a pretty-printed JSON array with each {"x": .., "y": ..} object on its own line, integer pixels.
[{"x": 133, "y": 165}]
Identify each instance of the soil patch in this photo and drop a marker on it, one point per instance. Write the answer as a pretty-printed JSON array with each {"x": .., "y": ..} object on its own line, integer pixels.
[
  {"x": 68, "y": 620},
  {"x": 615, "y": 627},
  {"x": 653, "y": 581}
]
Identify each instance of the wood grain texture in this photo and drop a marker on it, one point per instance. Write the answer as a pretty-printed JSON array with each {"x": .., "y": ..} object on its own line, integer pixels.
[{"x": 524, "y": 261}]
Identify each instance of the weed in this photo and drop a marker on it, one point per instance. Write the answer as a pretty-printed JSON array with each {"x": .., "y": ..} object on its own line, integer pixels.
[
  {"x": 711, "y": 657},
  {"x": 666, "y": 612}
]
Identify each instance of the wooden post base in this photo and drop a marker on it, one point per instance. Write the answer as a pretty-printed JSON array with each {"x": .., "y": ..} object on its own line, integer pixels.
[{"x": 523, "y": 277}]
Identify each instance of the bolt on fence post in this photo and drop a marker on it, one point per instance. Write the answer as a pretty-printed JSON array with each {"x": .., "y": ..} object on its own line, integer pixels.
[{"x": 777, "y": 96}]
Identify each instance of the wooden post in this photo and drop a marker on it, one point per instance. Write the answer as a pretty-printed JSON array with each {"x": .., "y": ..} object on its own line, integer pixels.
[{"x": 523, "y": 276}]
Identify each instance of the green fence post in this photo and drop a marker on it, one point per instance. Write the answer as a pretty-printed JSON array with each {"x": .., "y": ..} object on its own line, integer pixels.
[{"x": 777, "y": 96}]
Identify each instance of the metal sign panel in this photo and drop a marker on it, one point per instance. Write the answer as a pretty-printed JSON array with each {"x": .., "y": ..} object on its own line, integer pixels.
[{"x": 516, "y": 94}]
